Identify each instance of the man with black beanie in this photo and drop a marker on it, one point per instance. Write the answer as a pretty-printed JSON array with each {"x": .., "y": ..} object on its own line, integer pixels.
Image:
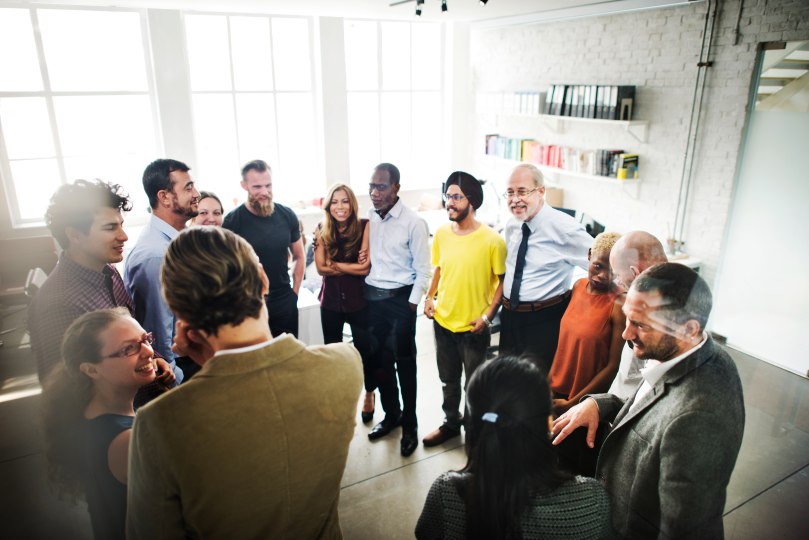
[{"x": 470, "y": 261}]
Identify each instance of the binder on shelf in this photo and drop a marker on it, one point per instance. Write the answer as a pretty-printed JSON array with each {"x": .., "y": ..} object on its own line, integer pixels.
[
  {"x": 582, "y": 101},
  {"x": 549, "y": 99},
  {"x": 621, "y": 101},
  {"x": 564, "y": 103}
]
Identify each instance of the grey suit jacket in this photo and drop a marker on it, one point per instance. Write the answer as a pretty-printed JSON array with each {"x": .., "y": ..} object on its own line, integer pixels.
[{"x": 666, "y": 464}]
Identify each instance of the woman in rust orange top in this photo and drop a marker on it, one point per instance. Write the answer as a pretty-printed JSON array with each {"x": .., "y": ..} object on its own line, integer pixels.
[{"x": 590, "y": 340}]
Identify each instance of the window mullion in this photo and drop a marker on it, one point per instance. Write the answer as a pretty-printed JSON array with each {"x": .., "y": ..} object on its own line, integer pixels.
[
  {"x": 274, "y": 100},
  {"x": 46, "y": 85},
  {"x": 233, "y": 92}
]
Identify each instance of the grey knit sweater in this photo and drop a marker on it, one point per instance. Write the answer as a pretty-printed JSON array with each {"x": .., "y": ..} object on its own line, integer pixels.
[{"x": 577, "y": 510}]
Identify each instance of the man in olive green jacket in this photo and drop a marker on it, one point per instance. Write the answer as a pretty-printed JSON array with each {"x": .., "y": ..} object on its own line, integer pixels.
[{"x": 254, "y": 446}]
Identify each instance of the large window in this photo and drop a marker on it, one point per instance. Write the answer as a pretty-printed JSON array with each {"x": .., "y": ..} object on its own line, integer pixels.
[
  {"x": 394, "y": 93},
  {"x": 252, "y": 95},
  {"x": 75, "y": 102}
]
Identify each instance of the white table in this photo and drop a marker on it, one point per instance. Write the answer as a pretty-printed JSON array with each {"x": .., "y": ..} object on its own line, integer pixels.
[{"x": 309, "y": 329}]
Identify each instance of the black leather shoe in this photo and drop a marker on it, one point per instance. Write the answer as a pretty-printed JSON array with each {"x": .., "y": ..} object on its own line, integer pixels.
[
  {"x": 410, "y": 441},
  {"x": 384, "y": 427}
]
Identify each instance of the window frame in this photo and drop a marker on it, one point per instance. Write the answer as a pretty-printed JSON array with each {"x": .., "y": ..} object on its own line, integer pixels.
[{"x": 12, "y": 206}]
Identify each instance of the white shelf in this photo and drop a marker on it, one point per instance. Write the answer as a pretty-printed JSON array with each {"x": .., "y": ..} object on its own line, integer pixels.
[
  {"x": 637, "y": 128},
  {"x": 564, "y": 172}
]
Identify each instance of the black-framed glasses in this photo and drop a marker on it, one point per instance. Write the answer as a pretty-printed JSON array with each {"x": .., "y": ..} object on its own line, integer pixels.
[
  {"x": 457, "y": 197},
  {"x": 520, "y": 193},
  {"x": 132, "y": 348},
  {"x": 378, "y": 187}
]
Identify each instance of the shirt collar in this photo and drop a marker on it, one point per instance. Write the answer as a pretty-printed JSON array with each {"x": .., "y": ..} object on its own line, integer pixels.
[
  {"x": 395, "y": 210},
  {"x": 533, "y": 223},
  {"x": 80, "y": 271},
  {"x": 655, "y": 369},
  {"x": 164, "y": 227}
]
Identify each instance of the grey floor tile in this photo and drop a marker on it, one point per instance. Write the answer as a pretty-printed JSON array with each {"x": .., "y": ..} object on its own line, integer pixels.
[
  {"x": 779, "y": 512},
  {"x": 388, "y": 506}
]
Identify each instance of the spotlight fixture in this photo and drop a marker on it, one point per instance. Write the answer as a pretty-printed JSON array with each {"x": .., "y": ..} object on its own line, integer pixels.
[
  {"x": 444, "y": 5},
  {"x": 484, "y": 2},
  {"x": 418, "y": 7}
]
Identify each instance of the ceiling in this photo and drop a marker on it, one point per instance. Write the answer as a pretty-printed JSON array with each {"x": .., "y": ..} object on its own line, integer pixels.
[{"x": 458, "y": 10}]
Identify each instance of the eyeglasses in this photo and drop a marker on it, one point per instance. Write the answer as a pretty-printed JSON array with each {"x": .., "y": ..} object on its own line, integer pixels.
[
  {"x": 520, "y": 193},
  {"x": 457, "y": 197},
  {"x": 132, "y": 348},
  {"x": 378, "y": 187}
]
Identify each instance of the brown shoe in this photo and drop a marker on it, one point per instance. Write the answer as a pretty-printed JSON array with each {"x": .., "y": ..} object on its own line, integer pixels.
[{"x": 440, "y": 436}]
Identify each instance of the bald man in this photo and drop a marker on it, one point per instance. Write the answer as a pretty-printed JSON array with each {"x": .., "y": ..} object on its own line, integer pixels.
[{"x": 633, "y": 253}]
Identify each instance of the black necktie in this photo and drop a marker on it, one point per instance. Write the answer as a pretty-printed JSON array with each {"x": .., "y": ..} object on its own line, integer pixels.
[{"x": 515, "y": 285}]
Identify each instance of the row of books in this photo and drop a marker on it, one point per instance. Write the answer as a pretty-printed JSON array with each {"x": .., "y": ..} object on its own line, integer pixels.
[
  {"x": 599, "y": 162},
  {"x": 590, "y": 101}
]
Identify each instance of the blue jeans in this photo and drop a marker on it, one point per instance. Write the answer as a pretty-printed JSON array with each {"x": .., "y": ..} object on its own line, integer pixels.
[{"x": 455, "y": 353}]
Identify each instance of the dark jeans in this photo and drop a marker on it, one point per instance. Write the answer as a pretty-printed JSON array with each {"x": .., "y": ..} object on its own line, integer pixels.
[
  {"x": 535, "y": 333},
  {"x": 283, "y": 309},
  {"x": 392, "y": 325},
  {"x": 332, "y": 323},
  {"x": 457, "y": 352}
]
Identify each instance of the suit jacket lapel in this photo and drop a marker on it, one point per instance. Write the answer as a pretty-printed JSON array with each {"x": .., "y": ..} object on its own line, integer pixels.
[{"x": 689, "y": 364}]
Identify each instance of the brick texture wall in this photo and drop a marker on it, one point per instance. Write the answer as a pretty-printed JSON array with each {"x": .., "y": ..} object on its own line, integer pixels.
[{"x": 657, "y": 51}]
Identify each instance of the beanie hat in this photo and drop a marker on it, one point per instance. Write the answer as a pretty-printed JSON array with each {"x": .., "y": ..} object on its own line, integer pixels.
[{"x": 470, "y": 187}]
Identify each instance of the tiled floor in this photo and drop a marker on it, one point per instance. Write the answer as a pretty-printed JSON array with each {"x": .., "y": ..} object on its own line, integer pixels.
[{"x": 382, "y": 493}]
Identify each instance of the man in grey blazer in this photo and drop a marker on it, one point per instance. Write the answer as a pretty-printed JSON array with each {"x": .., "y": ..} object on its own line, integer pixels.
[{"x": 672, "y": 446}]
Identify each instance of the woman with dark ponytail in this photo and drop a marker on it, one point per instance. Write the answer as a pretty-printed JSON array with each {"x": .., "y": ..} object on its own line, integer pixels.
[{"x": 511, "y": 487}]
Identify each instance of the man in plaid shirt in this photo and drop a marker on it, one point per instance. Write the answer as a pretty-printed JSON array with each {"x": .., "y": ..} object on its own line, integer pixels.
[{"x": 86, "y": 219}]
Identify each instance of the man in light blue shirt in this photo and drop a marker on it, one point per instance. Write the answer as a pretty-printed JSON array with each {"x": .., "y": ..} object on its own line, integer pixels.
[
  {"x": 400, "y": 274},
  {"x": 174, "y": 201},
  {"x": 543, "y": 247}
]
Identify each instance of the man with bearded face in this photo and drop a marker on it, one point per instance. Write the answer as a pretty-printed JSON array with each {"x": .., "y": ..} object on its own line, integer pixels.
[
  {"x": 273, "y": 231},
  {"x": 544, "y": 246},
  {"x": 174, "y": 200},
  {"x": 671, "y": 447},
  {"x": 464, "y": 296}
]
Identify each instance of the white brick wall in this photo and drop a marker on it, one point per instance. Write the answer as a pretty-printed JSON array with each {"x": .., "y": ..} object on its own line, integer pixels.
[{"x": 656, "y": 50}]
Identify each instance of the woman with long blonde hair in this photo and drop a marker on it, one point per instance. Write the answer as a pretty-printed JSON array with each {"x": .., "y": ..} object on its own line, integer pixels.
[
  {"x": 341, "y": 242},
  {"x": 88, "y": 412}
]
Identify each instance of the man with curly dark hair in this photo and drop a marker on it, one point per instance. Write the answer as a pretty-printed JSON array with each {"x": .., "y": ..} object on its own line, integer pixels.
[{"x": 86, "y": 218}]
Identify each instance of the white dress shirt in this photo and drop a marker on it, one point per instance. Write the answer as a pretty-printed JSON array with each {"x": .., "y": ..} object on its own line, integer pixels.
[
  {"x": 628, "y": 377},
  {"x": 655, "y": 370},
  {"x": 400, "y": 251},
  {"x": 557, "y": 244}
]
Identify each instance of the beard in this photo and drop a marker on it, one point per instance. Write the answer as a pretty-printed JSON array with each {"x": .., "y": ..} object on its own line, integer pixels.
[
  {"x": 461, "y": 215},
  {"x": 262, "y": 208},
  {"x": 187, "y": 212},
  {"x": 665, "y": 349}
]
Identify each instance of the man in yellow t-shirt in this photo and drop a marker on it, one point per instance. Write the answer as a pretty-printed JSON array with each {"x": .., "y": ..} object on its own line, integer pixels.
[{"x": 470, "y": 261}]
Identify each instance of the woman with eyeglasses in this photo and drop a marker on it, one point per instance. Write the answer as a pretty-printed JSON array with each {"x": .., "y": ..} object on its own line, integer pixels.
[
  {"x": 341, "y": 242},
  {"x": 511, "y": 486},
  {"x": 88, "y": 412}
]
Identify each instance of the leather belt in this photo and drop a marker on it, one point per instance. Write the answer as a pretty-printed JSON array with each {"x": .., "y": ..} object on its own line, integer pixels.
[
  {"x": 523, "y": 307},
  {"x": 376, "y": 293}
]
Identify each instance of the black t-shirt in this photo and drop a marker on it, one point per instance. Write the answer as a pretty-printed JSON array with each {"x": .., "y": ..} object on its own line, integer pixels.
[{"x": 270, "y": 238}]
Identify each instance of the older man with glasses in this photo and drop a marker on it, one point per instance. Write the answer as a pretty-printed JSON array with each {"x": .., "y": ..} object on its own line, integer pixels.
[{"x": 543, "y": 247}]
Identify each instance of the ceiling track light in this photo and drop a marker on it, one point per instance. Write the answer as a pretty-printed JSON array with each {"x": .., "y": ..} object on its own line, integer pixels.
[
  {"x": 418, "y": 7},
  {"x": 444, "y": 5},
  {"x": 484, "y": 2}
]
